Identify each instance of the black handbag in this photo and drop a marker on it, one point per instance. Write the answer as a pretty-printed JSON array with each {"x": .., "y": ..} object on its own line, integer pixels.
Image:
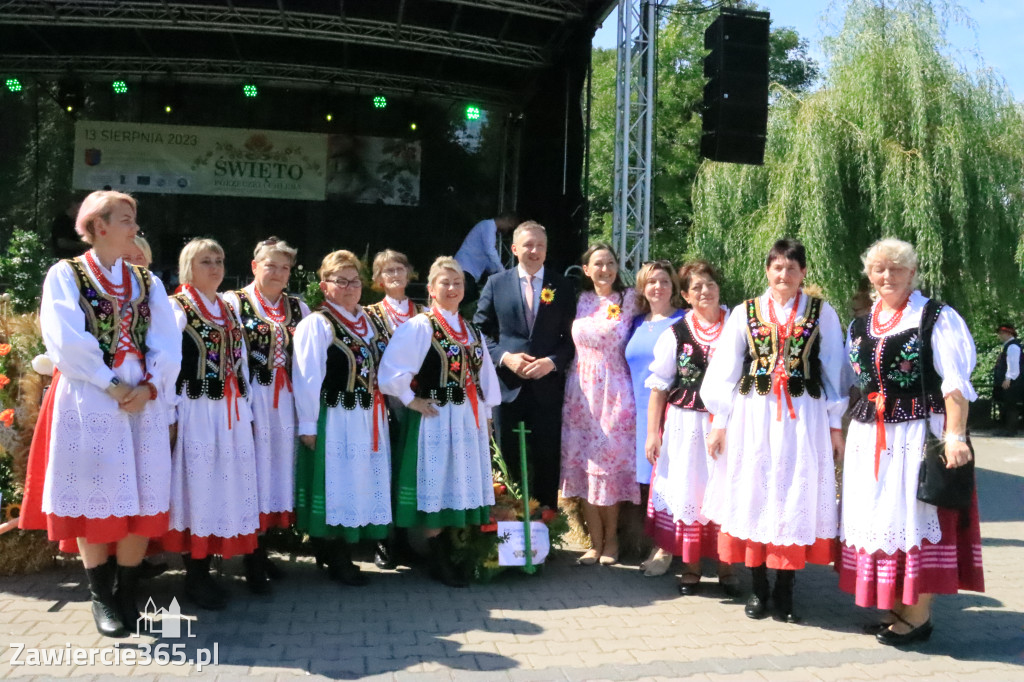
[{"x": 948, "y": 488}]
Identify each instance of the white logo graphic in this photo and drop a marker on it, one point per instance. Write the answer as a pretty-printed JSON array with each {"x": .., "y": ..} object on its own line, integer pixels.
[{"x": 169, "y": 626}]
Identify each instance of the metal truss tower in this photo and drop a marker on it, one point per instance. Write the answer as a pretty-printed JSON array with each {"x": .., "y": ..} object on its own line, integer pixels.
[{"x": 634, "y": 131}]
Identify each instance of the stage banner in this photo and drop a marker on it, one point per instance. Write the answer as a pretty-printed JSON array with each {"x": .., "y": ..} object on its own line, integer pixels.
[
  {"x": 374, "y": 170},
  {"x": 165, "y": 159}
]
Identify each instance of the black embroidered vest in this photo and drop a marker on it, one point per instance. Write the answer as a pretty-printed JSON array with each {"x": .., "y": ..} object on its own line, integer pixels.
[
  {"x": 448, "y": 364},
  {"x": 382, "y": 321},
  {"x": 691, "y": 362},
  {"x": 207, "y": 351},
  {"x": 103, "y": 319},
  {"x": 895, "y": 363},
  {"x": 351, "y": 378},
  {"x": 999, "y": 372},
  {"x": 260, "y": 339},
  {"x": 799, "y": 352}
]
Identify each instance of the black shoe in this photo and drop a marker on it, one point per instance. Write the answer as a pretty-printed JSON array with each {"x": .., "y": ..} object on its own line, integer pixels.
[
  {"x": 441, "y": 567},
  {"x": 151, "y": 569},
  {"x": 782, "y": 597},
  {"x": 757, "y": 605},
  {"x": 272, "y": 570},
  {"x": 383, "y": 558},
  {"x": 125, "y": 588},
  {"x": 689, "y": 589},
  {"x": 340, "y": 567},
  {"x": 200, "y": 586},
  {"x": 320, "y": 551},
  {"x": 919, "y": 634},
  {"x": 104, "y": 606},
  {"x": 875, "y": 628},
  {"x": 255, "y": 574}
]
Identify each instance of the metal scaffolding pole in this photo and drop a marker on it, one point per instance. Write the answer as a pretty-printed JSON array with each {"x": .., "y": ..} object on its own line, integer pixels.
[{"x": 634, "y": 131}]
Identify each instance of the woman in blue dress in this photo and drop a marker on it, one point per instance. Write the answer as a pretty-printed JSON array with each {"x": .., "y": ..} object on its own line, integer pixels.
[{"x": 660, "y": 303}]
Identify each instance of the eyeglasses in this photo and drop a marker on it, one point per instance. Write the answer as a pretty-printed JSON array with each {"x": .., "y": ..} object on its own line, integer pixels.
[
  {"x": 346, "y": 283},
  {"x": 391, "y": 272}
]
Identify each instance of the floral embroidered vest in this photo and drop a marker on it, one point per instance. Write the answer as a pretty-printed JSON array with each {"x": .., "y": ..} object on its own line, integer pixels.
[
  {"x": 799, "y": 352},
  {"x": 260, "y": 339},
  {"x": 893, "y": 365},
  {"x": 351, "y": 378},
  {"x": 103, "y": 319},
  {"x": 443, "y": 375},
  {"x": 208, "y": 353},
  {"x": 381, "y": 320},
  {"x": 691, "y": 362}
]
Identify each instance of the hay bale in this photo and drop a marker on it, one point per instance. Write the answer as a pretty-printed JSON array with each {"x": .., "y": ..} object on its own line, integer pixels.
[{"x": 24, "y": 552}]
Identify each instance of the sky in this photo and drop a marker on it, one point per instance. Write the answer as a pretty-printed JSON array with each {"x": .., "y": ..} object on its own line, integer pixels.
[{"x": 995, "y": 38}]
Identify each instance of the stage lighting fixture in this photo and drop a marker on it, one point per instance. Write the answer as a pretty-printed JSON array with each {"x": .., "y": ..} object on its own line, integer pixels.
[
  {"x": 412, "y": 126},
  {"x": 472, "y": 112},
  {"x": 380, "y": 102},
  {"x": 120, "y": 87},
  {"x": 13, "y": 85},
  {"x": 329, "y": 117},
  {"x": 250, "y": 90},
  {"x": 168, "y": 109},
  {"x": 70, "y": 94}
]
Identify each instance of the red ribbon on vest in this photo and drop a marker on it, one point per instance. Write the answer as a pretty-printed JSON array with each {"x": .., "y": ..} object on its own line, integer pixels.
[
  {"x": 378, "y": 403},
  {"x": 781, "y": 386},
  {"x": 471, "y": 390},
  {"x": 878, "y": 398},
  {"x": 281, "y": 380},
  {"x": 231, "y": 393}
]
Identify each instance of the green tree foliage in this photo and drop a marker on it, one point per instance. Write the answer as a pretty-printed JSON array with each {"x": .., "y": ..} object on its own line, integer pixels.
[
  {"x": 680, "y": 90},
  {"x": 900, "y": 142},
  {"x": 21, "y": 268}
]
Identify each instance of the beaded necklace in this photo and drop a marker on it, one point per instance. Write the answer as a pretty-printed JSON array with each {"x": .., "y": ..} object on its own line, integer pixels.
[
  {"x": 359, "y": 327},
  {"x": 706, "y": 335},
  {"x": 879, "y": 328},
  {"x": 462, "y": 337},
  {"x": 784, "y": 330},
  {"x": 222, "y": 320},
  {"x": 398, "y": 317},
  {"x": 275, "y": 313},
  {"x": 118, "y": 291}
]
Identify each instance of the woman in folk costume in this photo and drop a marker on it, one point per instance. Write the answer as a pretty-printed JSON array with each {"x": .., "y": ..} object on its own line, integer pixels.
[
  {"x": 343, "y": 476},
  {"x": 677, "y": 428},
  {"x": 214, "y": 501},
  {"x": 391, "y": 273},
  {"x": 776, "y": 394},
  {"x": 913, "y": 359},
  {"x": 105, "y": 450},
  {"x": 438, "y": 365},
  {"x": 269, "y": 316}
]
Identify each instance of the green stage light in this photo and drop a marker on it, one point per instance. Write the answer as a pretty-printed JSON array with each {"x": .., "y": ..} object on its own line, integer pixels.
[
  {"x": 329, "y": 117},
  {"x": 472, "y": 112},
  {"x": 380, "y": 102},
  {"x": 167, "y": 109},
  {"x": 250, "y": 90},
  {"x": 412, "y": 126},
  {"x": 120, "y": 87},
  {"x": 14, "y": 85}
]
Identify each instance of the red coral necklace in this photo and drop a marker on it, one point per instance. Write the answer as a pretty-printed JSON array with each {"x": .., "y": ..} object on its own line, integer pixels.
[
  {"x": 275, "y": 313},
  {"x": 359, "y": 327},
  {"x": 709, "y": 334},
  {"x": 396, "y": 316},
  {"x": 219, "y": 320},
  {"x": 461, "y": 336},
  {"x": 879, "y": 328},
  {"x": 118, "y": 291},
  {"x": 787, "y": 329}
]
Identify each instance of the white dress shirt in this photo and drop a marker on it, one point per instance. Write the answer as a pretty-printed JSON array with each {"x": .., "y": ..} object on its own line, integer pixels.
[{"x": 1012, "y": 361}]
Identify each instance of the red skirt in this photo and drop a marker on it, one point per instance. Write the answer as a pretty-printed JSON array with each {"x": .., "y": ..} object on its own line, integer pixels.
[
  {"x": 283, "y": 519},
  {"x": 200, "y": 546},
  {"x": 954, "y": 563},
  {"x": 692, "y": 542},
  {"x": 733, "y": 550}
]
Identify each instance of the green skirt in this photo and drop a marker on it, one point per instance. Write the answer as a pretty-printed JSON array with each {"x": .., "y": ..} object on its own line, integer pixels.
[
  {"x": 311, "y": 499},
  {"x": 406, "y": 513}
]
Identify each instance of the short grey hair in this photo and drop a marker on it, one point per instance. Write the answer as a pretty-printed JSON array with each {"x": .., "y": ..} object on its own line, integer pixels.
[
  {"x": 891, "y": 250},
  {"x": 529, "y": 226},
  {"x": 188, "y": 254}
]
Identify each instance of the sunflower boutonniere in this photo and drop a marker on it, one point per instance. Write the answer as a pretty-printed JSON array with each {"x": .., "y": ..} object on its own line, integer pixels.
[
  {"x": 614, "y": 311},
  {"x": 547, "y": 295}
]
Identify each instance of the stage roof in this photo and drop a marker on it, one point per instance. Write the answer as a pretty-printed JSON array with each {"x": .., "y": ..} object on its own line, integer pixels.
[{"x": 487, "y": 50}]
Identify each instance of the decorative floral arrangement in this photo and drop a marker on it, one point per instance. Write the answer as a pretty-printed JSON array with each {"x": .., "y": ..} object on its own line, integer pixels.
[
  {"x": 614, "y": 311},
  {"x": 477, "y": 546},
  {"x": 547, "y": 295}
]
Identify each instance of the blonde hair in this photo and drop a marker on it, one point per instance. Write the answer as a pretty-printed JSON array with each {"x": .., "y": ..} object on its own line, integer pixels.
[
  {"x": 339, "y": 260},
  {"x": 440, "y": 266},
  {"x": 529, "y": 226},
  {"x": 647, "y": 270},
  {"x": 143, "y": 245},
  {"x": 272, "y": 246},
  {"x": 99, "y": 205},
  {"x": 891, "y": 250},
  {"x": 383, "y": 258},
  {"x": 188, "y": 254}
]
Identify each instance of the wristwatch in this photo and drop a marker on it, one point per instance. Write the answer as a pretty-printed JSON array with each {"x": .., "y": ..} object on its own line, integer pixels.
[
  {"x": 954, "y": 438},
  {"x": 114, "y": 383}
]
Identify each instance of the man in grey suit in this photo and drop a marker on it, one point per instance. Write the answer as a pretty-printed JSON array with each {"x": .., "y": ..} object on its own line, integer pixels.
[{"x": 526, "y": 314}]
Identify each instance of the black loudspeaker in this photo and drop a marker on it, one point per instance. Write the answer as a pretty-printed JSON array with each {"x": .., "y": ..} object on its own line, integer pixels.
[{"x": 736, "y": 97}]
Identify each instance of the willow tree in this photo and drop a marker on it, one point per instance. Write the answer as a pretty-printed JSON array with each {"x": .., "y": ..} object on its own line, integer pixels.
[{"x": 899, "y": 142}]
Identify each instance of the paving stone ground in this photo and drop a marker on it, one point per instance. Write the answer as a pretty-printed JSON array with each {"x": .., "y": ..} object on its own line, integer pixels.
[{"x": 569, "y": 623}]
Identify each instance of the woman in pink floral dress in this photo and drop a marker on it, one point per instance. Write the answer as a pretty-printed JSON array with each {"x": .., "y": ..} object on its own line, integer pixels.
[{"x": 599, "y": 415}]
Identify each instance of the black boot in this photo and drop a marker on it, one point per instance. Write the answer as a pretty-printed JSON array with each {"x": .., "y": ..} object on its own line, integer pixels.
[
  {"x": 340, "y": 567},
  {"x": 104, "y": 606},
  {"x": 782, "y": 597},
  {"x": 200, "y": 586},
  {"x": 272, "y": 570},
  {"x": 383, "y": 557},
  {"x": 442, "y": 569},
  {"x": 256, "y": 574},
  {"x": 125, "y": 589},
  {"x": 757, "y": 605},
  {"x": 320, "y": 551}
]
